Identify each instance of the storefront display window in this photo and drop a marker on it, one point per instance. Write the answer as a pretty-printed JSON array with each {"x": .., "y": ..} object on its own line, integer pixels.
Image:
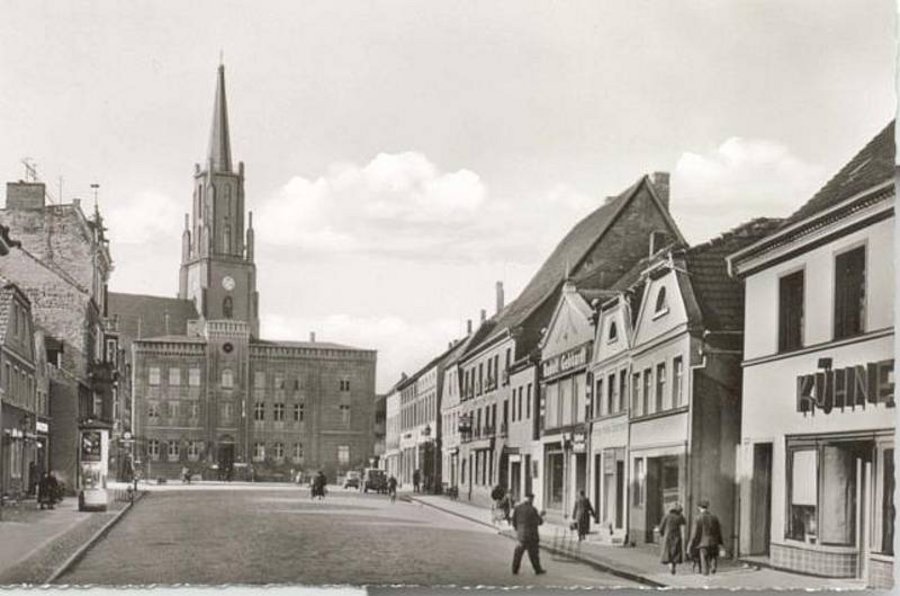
[
  {"x": 838, "y": 495},
  {"x": 887, "y": 502},
  {"x": 555, "y": 477},
  {"x": 803, "y": 495}
]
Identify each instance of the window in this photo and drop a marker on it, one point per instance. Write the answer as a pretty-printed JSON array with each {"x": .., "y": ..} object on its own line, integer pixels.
[
  {"x": 278, "y": 412},
  {"x": 613, "y": 332},
  {"x": 153, "y": 449},
  {"x": 850, "y": 293},
  {"x": 660, "y": 385},
  {"x": 194, "y": 450},
  {"x": 298, "y": 412},
  {"x": 677, "y": 375},
  {"x": 173, "y": 450},
  {"x": 175, "y": 376},
  {"x": 802, "y": 491},
  {"x": 520, "y": 402},
  {"x": 226, "y": 412},
  {"x": 345, "y": 384},
  {"x": 227, "y": 307},
  {"x": 259, "y": 410},
  {"x": 259, "y": 379},
  {"x": 343, "y": 454},
  {"x": 153, "y": 411},
  {"x": 647, "y": 385},
  {"x": 298, "y": 451},
  {"x": 194, "y": 376},
  {"x": 528, "y": 402},
  {"x": 611, "y": 398},
  {"x": 636, "y": 394},
  {"x": 278, "y": 450},
  {"x": 790, "y": 312},
  {"x": 194, "y": 410},
  {"x": 598, "y": 398},
  {"x": 226, "y": 239},
  {"x": 623, "y": 389},
  {"x": 154, "y": 376},
  {"x": 259, "y": 451},
  {"x": 638, "y": 483},
  {"x": 173, "y": 409},
  {"x": 661, "y": 304},
  {"x": 279, "y": 381},
  {"x": 227, "y": 379}
]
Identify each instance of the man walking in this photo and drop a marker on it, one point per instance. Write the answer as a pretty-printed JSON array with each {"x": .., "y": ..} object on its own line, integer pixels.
[
  {"x": 706, "y": 538},
  {"x": 525, "y": 520},
  {"x": 417, "y": 477}
]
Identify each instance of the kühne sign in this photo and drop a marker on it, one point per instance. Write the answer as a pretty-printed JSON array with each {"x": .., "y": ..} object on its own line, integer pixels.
[{"x": 849, "y": 387}]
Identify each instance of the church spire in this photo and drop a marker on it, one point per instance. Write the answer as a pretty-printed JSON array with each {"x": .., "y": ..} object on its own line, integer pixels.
[{"x": 219, "y": 140}]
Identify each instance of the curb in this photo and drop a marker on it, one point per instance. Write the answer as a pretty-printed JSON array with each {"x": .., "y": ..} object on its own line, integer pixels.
[
  {"x": 600, "y": 566},
  {"x": 83, "y": 549}
]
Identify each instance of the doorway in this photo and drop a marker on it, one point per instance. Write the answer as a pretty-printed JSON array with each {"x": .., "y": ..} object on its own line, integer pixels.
[
  {"x": 225, "y": 460},
  {"x": 515, "y": 479},
  {"x": 761, "y": 500}
]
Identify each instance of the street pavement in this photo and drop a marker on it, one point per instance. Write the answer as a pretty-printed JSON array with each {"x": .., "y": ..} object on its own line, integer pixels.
[
  {"x": 642, "y": 563},
  {"x": 252, "y": 534}
]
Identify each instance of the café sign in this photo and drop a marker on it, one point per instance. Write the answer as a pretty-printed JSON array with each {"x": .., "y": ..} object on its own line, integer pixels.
[
  {"x": 849, "y": 387},
  {"x": 566, "y": 361}
]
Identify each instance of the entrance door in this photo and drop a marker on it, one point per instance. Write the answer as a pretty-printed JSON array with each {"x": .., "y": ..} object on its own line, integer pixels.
[
  {"x": 528, "y": 475},
  {"x": 225, "y": 459},
  {"x": 620, "y": 494},
  {"x": 761, "y": 499},
  {"x": 580, "y": 473},
  {"x": 515, "y": 479},
  {"x": 654, "y": 497},
  {"x": 598, "y": 474}
]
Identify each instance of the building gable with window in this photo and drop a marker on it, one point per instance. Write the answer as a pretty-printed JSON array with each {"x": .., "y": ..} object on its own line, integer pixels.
[{"x": 817, "y": 445}]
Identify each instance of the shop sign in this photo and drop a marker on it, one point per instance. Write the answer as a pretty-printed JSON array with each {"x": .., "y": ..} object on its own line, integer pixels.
[
  {"x": 41, "y": 427},
  {"x": 566, "y": 361},
  {"x": 849, "y": 387},
  {"x": 579, "y": 443}
]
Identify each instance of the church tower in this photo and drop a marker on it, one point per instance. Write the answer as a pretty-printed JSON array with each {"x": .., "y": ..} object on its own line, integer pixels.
[{"x": 217, "y": 268}]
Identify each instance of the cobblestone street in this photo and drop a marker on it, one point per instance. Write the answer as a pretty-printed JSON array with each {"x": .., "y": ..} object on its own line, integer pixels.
[{"x": 275, "y": 535}]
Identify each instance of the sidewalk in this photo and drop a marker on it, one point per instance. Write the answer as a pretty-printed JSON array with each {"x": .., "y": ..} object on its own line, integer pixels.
[{"x": 641, "y": 563}]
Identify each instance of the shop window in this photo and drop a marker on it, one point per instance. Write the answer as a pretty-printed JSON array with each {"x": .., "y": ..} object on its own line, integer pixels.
[
  {"x": 803, "y": 499},
  {"x": 888, "y": 483},
  {"x": 849, "y": 293},
  {"x": 838, "y": 518},
  {"x": 638, "y": 483},
  {"x": 790, "y": 312}
]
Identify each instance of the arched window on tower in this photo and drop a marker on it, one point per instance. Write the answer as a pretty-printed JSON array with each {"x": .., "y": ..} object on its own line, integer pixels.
[
  {"x": 200, "y": 201},
  {"x": 227, "y": 307},
  {"x": 227, "y": 200},
  {"x": 226, "y": 239}
]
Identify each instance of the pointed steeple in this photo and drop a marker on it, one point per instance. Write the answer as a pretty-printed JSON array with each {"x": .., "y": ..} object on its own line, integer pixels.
[{"x": 219, "y": 155}]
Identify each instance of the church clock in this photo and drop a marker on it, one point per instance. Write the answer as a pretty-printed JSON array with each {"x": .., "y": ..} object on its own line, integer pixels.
[{"x": 228, "y": 283}]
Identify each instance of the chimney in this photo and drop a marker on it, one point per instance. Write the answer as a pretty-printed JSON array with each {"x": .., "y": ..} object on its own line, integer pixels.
[
  {"x": 25, "y": 195},
  {"x": 499, "y": 296},
  {"x": 661, "y": 186},
  {"x": 483, "y": 315},
  {"x": 312, "y": 337},
  {"x": 468, "y": 326}
]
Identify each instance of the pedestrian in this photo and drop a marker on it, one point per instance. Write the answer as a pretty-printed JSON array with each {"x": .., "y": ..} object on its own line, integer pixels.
[
  {"x": 706, "y": 538},
  {"x": 320, "y": 482},
  {"x": 671, "y": 529},
  {"x": 185, "y": 475},
  {"x": 582, "y": 514},
  {"x": 392, "y": 488},
  {"x": 417, "y": 478},
  {"x": 45, "y": 496},
  {"x": 54, "y": 490},
  {"x": 525, "y": 520},
  {"x": 497, "y": 512}
]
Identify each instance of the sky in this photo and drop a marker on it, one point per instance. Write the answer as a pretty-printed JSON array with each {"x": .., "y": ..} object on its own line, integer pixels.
[{"x": 403, "y": 156}]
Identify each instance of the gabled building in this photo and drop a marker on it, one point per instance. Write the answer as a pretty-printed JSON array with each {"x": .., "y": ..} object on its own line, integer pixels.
[
  {"x": 816, "y": 457},
  {"x": 595, "y": 253},
  {"x": 685, "y": 357}
]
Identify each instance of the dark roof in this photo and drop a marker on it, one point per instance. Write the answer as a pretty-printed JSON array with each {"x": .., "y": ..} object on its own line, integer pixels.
[
  {"x": 720, "y": 296},
  {"x": 870, "y": 167},
  {"x": 141, "y": 316},
  {"x": 565, "y": 258}
]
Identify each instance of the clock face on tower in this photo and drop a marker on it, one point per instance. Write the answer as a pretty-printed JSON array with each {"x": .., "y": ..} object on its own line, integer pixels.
[{"x": 228, "y": 283}]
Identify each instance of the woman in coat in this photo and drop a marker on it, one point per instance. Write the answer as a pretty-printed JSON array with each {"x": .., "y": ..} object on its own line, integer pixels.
[
  {"x": 671, "y": 529},
  {"x": 582, "y": 514}
]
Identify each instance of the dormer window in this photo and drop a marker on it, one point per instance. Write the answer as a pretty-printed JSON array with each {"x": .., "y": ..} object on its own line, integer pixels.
[
  {"x": 662, "y": 306},
  {"x": 613, "y": 332}
]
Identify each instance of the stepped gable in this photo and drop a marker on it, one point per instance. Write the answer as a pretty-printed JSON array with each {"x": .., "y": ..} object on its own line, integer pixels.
[
  {"x": 720, "y": 296},
  {"x": 870, "y": 167},
  {"x": 141, "y": 316}
]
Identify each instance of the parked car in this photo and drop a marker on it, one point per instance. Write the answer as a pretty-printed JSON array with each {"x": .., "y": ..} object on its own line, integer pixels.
[
  {"x": 352, "y": 480},
  {"x": 375, "y": 480}
]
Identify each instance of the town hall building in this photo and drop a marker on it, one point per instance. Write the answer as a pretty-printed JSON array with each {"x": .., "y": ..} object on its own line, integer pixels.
[{"x": 210, "y": 396}]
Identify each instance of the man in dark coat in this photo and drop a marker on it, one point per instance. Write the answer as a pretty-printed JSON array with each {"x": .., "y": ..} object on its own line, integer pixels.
[
  {"x": 525, "y": 520},
  {"x": 706, "y": 538},
  {"x": 417, "y": 477}
]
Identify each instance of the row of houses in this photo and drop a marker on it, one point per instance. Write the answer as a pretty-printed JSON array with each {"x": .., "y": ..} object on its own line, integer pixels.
[
  {"x": 754, "y": 370},
  {"x": 64, "y": 381}
]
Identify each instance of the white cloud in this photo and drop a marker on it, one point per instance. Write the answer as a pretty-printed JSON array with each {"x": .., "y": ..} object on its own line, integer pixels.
[
  {"x": 402, "y": 346},
  {"x": 402, "y": 205},
  {"x": 147, "y": 217},
  {"x": 739, "y": 180}
]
